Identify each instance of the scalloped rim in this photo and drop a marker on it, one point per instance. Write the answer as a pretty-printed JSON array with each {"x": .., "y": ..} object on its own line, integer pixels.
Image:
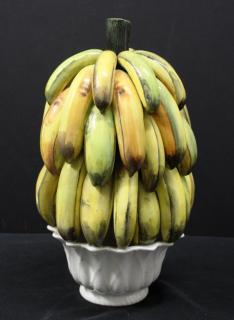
[{"x": 150, "y": 247}]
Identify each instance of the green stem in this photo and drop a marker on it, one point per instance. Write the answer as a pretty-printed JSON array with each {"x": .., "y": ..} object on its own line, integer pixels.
[{"x": 117, "y": 34}]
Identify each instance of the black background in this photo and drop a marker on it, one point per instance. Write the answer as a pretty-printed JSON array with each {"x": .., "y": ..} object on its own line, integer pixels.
[{"x": 195, "y": 36}]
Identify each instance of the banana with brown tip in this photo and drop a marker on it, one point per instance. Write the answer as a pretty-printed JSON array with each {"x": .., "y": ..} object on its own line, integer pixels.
[
  {"x": 190, "y": 157},
  {"x": 177, "y": 202},
  {"x": 46, "y": 187},
  {"x": 76, "y": 109},
  {"x": 68, "y": 198},
  {"x": 180, "y": 92},
  {"x": 95, "y": 211},
  {"x": 129, "y": 122},
  {"x": 103, "y": 79},
  {"x": 170, "y": 124},
  {"x": 143, "y": 78},
  {"x": 149, "y": 215},
  {"x": 50, "y": 151}
]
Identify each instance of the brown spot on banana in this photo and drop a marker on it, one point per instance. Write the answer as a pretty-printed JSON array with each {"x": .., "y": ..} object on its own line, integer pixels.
[{"x": 85, "y": 87}]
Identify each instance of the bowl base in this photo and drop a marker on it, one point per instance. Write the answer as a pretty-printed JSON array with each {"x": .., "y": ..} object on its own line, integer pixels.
[{"x": 113, "y": 300}]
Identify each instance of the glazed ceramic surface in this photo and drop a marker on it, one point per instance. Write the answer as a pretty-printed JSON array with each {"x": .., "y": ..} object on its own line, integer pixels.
[{"x": 112, "y": 276}]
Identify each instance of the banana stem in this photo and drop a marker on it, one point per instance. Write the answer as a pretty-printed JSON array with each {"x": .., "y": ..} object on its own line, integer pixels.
[{"x": 117, "y": 34}]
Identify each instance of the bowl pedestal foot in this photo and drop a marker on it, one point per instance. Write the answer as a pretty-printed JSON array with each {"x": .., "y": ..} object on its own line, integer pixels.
[{"x": 113, "y": 300}]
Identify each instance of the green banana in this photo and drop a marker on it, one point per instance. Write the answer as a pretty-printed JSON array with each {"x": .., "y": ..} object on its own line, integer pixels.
[
  {"x": 143, "y": 78},
  {"x": 190, "y": 157},
  {"x": 103, "y": 79},
  {"x": 154, "y": 164},
  {"x": 125, "y": 206},
  {"x": 170, "y": 124},
  {"x": 46, "y": 187},
  {"x": 177, "y": 202},
  {"x": 67, "y": 70},
  {"x": 68, "y": 198},
  {"x": 178, "y": 84},
  {"x": 100, "y": 145},
  {"x": 162, "y": 74},
  {"x": 165, "y": 210},
  {"x": 149, "y": 215},
  {"x": 95, "y": 211}
]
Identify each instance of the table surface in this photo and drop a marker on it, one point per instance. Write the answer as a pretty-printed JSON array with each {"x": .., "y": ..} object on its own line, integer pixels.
[{"x": 196, "y": 282}]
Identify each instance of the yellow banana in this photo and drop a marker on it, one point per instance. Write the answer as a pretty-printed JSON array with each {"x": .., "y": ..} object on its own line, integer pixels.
[
  {"x": 67, "y": 70},
  {"x": 125, "y": 206},
  {"x": 103, "y": 79},
  {"x": 189, "y": 186},
  {"x": 178, "y": 84},
  {"x": 95, "y": 211},
  {"x": 187, "y": 196},
  {"x": 49, "y": 146},
  {"x": 185, "y": 114},
  {"x": 177, "y": 202},
  {"x": 46, "y": 187},
  {"x": 99, "y": 145},
  {"x": 189, "y": 178},
  {"x": 165, "y": 210},
  {"x": 76, "y": 109},
  {"x": 170, "y": 124},
  {"x": 129, "y": 122},
  {"x": 190, "y": 157},
  {"x": 149, "y": 215},
  {"x": 154, "y": 164},
  {"x": 143, "y": 78},
  {"x": 68, "y": 198}
]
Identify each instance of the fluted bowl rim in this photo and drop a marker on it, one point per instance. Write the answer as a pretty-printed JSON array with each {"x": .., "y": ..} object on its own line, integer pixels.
[{"x": 149, "y": 247}]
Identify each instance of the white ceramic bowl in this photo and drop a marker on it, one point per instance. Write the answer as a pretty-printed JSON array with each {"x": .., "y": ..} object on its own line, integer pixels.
[{"x": 112, "y": 276}]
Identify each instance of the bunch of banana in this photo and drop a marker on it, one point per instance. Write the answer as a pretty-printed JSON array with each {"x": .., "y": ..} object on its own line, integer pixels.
[{"x": 117, "y": 145}]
